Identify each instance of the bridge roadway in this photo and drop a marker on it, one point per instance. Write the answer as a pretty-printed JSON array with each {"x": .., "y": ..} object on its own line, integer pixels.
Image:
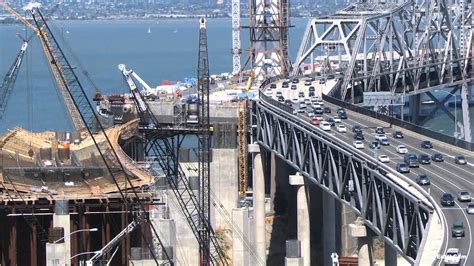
[{"x": 445, "y": 176}]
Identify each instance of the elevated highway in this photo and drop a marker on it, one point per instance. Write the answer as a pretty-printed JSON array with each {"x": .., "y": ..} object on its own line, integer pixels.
[{"x": 282, "y": 125}]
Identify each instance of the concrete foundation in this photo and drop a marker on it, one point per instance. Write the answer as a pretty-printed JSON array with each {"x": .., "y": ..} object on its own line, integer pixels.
[
  {"x": 302, "y": 218},
  {"x": 240, "y": 251},
  {"x": 258, "y": 201}
]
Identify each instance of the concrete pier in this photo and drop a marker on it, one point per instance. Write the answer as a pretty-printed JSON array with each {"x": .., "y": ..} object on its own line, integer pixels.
[
  {"x": 258, "y": 201},
  {"x": 329, "y": 228},
  {"x": 240, "y": 251},
  {"x": 60, "y": 253},
  {"x": 365, "y": 252},
  {"x": 302, "y": 217}
]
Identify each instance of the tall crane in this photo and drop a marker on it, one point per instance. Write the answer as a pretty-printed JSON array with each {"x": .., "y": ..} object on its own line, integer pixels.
[
  {"x": 58, "y": 73},
  {"x": 9, "y": 79},
  {"x": 163, "y": 151},
  {"x": 78, "y": 96}
]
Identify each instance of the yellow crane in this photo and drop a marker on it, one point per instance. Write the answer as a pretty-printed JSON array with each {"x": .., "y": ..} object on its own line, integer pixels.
[
  {"x": 242, "y": 136},
  {"x": 58, "y": 74}
]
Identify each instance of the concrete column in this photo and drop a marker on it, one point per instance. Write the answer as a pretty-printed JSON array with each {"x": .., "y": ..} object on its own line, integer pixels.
[
  {"x": 329, "y": 228},
  {"x": 240, "y": 251},
  {"x": 390, "y": 255},
  {"x": 302, "y": 218},
  {"x": 258, "y": 201},
  {"x": 60, "y": 252},
  {"x": 273, "y": 176},
  {"x": 365, "y": 253}
]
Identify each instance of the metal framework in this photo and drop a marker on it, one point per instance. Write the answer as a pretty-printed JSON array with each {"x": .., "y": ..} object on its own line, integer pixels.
[
  {"x": 236, "y": 48},
  {"x": 409, "y": 48},
  {"x": 389, "y": 209},
  {"x": 268, "y": 24},
  {"x": 243, "y": 153},
  {"x": 116, "y": 171}
]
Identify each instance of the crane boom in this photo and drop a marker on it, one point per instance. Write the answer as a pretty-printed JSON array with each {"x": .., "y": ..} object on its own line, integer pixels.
[
  {"x": 9, "y": 79},
  {"x": 57, "y": 72}
]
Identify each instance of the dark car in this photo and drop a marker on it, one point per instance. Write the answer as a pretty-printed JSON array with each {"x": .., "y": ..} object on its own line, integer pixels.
[
  {"x": 327, "y": 110},
  {"x": 457, "y": 230},
  {"x": 424, "y": 159},
  {"x": 398, "y": 135},
  {"x": 447, "y": 199},
  {"x": 273, "y": 86},
  {"x": 318, "y": 110},
  {"x": 342, "y": 115},
  {"x": 340, "y": 110},
  {"x": 331, "y": 121},
  {"x": 295, "y": 80},
  {"x": 359, "y": 136},
  {"x": 293, "y": 87},
  {"x": 311, "y": 88},
  {"x": 437, "y": 157},
  {"x": 284, "y": 85},
  {"x": 411, "y": 160},
  {"x": 423, "y": 180},
  {"x": 301, "y": 94},
  {"x": 311, "y": 94},
  {"x": 375, "y": 145},
  {"x": 426, "y": 144},
  {"x": 379, "y": 130},
  {"x": 403, "y": 168},
  {"x": 356, "y": 129},
  {"x": 281, "y": 99},
  {"x": 460, "y": 160}
]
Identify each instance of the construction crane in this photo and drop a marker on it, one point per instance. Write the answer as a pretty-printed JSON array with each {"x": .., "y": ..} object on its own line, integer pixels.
[
  {"x": 10, "y": 78},
  {"x": 57, "y": 72},
  {"x": 91, "y": 120},
  {"x": 242, "y": 135},
  {"x": 163, "y": 152}
]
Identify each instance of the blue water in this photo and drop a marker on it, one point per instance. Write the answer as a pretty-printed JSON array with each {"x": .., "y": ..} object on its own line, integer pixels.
[{"x": 169, "y": 52}]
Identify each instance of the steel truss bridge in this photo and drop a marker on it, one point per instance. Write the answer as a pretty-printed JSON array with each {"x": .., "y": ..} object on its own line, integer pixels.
[{"x": 403, "y": 48}]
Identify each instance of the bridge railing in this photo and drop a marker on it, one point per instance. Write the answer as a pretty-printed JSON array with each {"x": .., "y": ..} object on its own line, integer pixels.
[{"x": 401, "y": 123}]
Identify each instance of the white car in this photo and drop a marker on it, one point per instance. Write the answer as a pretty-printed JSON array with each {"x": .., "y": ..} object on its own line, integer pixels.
[
  {"x": 452, "y": 256},
  {"x": 358, "y": 144},
  {"x": 302, "y": 105},
  {"x": 402, "y": 149},
  {"x": 337, "y": 119},
  {"x": 341, "y": 128},
  {"x": 384, "y": 158},
  {"x": 311, "y": 114},
  {"x": 325, "y": 126},
  {"x": 380, "y": 136}
]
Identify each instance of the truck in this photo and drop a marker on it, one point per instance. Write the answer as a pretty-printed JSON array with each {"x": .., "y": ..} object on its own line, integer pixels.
[{"x": 192, "y": 110}]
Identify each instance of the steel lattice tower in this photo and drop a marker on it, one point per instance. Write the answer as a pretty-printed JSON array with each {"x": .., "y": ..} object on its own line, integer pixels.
[{"x": 236, "y": 48}]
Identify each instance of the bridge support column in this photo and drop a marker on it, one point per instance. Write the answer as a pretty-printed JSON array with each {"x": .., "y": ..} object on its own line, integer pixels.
[
  {"x": 465, "y": 93},
  {"x": 258, "y": 201},
  {"x": 293, "y": 253},
  {"x": 302, "y": 217},
  {"x": 240, "y": 251},
  {"x": 390, "y": 255},
  {"x": 364, "y": 242},
  {"x": 329, "y": 228},
  {"x": 415, "y": 102}
]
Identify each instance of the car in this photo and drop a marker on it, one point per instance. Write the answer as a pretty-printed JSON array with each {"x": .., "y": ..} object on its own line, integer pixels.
[
  {"x": 341, "y": 128},
  {"x": 293, "y": 87},
  {"x": 380, "y": 136},
  {"x": 342, "y": 115},
  {"x": 301, "y": 94},
  {"x": 281, "y": 99},
  {"x": 384, "y": 158},
  {"x": 331, "y": 121},
  {"x": 403, "y": 168},
  {"x": 470, "y": 208},
  {"x": 268, "y": 93},
  {"x": 300, "y": 111},
  {"x": 273, "y": 86},
  {"x": 322, "y": 81},
  {"x": 307, "y": 82},
  {"x": 311, "y": 114},
  {"x": 340, "y": 110},
  {"x": 311, "y": 93},
  {"x": 447, "y": 199},
  {"x": 402, "y": 149},
  {"x": 379, "y": 130},
  {"x": 464, "y": 196},
  {"x": 356, "y": 128},
  {"x": 398, "y": 135},
  {"x": 460, "y": 159},
  {"x": 411, "y": 160},
  {"x": 384, "y": 141},
  {"x": 295, "y": 80},
  {"x": 279, "y": 93},
  {"x": 375, "y": 145},
  {"x": 457, "y": 230},
  {"x": 303, "y": 106},
  {"x": 285, "y": 84},
  {"x": 315, "y": 121},
  {"x": 359, "y": 136},
  {"x": 311, "y": 88},
  {"x": 318, "y": 110},
  {"x": 358, "y": 144},
  {"x": 320, "y": 118},
  {"x": 424, "y": 159},
  {"x": 327, "y": 110},
  {"x": 437, "y": 157},
  {"x": 423, "y": 180},
  {"x": 324, "y": 125},
  {"x": 452, "y": 256},
  {"x": 337, "y": 119},
  {"x": 426, "y": 144}
]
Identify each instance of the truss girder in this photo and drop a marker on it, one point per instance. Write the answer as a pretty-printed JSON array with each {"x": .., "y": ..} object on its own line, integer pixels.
[{"x": 387, "y": 208}]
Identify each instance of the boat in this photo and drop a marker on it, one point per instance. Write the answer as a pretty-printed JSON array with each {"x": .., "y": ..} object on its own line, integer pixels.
[{"x": 149, "y": 30}]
